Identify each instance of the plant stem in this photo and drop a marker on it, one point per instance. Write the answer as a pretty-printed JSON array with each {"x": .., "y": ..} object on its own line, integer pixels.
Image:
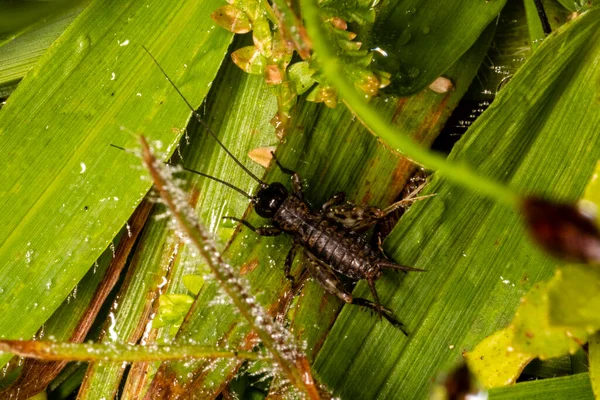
[
  {"x": 117, "y": 352},
  {"x": 280, "y": 343},
  {"x": 333, "y": 70}
]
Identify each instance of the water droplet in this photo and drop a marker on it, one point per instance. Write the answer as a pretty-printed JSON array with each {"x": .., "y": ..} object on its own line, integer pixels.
[
  {"x": 28, "y": 256},
  {"x": 414, "y": 72},
  {"x": 404, "y": 38},
  {"x": 83, "y": 43}
]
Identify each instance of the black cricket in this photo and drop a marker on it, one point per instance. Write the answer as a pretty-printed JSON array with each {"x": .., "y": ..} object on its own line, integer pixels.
[{"x": 331, "y": 237}]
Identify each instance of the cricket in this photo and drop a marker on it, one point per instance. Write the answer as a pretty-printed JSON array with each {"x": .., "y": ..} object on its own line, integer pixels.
[{"x": 331, "y": 237}]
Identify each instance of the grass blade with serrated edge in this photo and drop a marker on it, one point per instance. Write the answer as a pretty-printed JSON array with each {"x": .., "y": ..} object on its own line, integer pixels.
[
  {"x": 273, "y": 335},
  {"x": 65, "y": 192}
]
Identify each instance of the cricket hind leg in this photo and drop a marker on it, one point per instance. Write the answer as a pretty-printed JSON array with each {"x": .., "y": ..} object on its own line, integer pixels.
[
  {"x": 396, "y": 267},
  {"x": 382, "y": 311},
  {"x": 329, "y": 281},
  {"x": 360, "y": 218}
]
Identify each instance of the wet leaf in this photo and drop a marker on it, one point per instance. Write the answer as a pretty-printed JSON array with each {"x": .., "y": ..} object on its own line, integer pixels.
[
  {"x": 239, "y": 116},
  {"x": 422, "y": 39},
  {"x": 282, "y": 346},
  {"x": 65, "y": 192},
  {"x": 53, "y": 351}
]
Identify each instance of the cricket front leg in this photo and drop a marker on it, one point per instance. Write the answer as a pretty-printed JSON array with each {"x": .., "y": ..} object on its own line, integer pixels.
[
  {"x": 261, "y": 230},
  {"x": 360, "y": 218},
  {"x": 296, "y": 180},
  {"x": 289, "y": 259}
]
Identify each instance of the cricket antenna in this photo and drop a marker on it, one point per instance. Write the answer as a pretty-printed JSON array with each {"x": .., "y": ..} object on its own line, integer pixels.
[
  {"x": 201, "y": 121},
  {"x": 229, "y": 185}
]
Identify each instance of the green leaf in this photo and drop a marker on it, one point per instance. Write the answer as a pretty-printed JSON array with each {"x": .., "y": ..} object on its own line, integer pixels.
[
  {"x": 17, "y": 17},
  {"x": 574, "y": 387},
  {"x": 65, "y": 192},
  {"x": 534, "y": 24},
  {"x": 193, "y": 283},
  {"x": 578, "y": 5},
  {"x": 172, "y": 309},
  {"x": 300, "y": 74},
  {"x": 20, "y": 54},
  {"x": 422, "y": 39},
  {"x": 552, "y": 320}
]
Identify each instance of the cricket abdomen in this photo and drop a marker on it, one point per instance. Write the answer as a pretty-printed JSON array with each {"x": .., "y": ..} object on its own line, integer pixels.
[{"x": 330, "y": 242}]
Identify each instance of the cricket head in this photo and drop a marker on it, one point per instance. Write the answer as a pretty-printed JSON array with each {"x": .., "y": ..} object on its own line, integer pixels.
[{"x": 269, "y": 198}]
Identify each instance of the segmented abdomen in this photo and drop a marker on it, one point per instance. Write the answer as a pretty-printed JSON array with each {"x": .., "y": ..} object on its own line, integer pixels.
[{"x": 330, "y": 242}]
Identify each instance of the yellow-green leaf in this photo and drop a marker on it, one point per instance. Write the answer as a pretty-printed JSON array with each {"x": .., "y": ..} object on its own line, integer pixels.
[
  {"x": 249, "y": 60},
  {"x": 495, "y": 361},
  {"x": 232, "y": 18},
  {"x": 533, "y": 332}
]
